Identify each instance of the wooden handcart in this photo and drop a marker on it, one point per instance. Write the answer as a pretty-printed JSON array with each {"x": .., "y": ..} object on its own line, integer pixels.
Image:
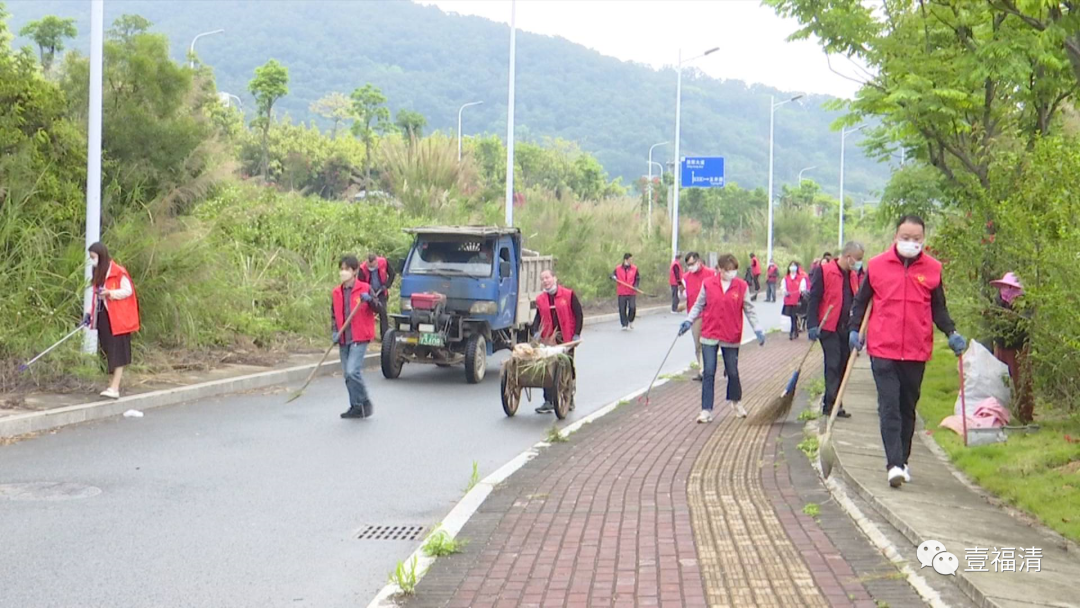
[{"x": 540, "y": 367}]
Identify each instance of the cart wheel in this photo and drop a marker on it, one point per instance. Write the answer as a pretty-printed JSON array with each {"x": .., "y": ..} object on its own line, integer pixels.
[
  {"x": 564, "y": 390},
  {"x": 511, "y": 395},
  {"x": 389, "y": 356}
]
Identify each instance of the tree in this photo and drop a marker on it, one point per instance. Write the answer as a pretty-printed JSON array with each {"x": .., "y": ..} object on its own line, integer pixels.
[
  {"x": 372, "y": 119},
  {"x": 49, "y": 33},
  {"x": 127, "y": 27},
  {"x": 270, "y": 84},
  {"x": 336, "y": 107},
  {"x": 410, "y": 123}
]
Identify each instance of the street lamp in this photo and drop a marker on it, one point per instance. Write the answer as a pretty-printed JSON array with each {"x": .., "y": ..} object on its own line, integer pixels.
[
  {"x": 678, "y": 161},
  {"x": 227, "y": 97},
  {"x": 803, "y": 170},
  {"x": 651, "y": 163},
  {"x": 510, "y": 120},
  {"x": 844, "y": 132},
  {"x": 471, "y": 103},
  {"x": 191, "y": 49},
  {"x": 772, "y": 111},
  {"x": 93, "y": 160}
]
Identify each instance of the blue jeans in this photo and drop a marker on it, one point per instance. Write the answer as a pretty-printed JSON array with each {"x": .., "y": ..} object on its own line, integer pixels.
[
  {"x": 708, "y": 376},
  {"x": 352, "y": 364}
]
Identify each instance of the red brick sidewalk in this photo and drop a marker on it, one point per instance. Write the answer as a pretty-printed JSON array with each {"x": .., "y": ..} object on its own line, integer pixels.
[{"x": 646, "y": 508}]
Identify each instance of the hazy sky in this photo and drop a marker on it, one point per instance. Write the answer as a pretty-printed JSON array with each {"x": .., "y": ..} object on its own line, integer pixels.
[{"x": 751, "y": 37}]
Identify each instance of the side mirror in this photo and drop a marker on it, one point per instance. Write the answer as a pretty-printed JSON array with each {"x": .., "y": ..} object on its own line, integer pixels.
[{"x": 504, "y": 270}]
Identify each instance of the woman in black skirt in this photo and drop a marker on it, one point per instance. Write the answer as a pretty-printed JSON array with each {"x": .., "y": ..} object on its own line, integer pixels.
[{"x": 115, "y": 314}]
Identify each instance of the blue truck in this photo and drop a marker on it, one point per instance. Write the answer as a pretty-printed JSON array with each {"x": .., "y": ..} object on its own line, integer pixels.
[{"x": 466, "y": 293}]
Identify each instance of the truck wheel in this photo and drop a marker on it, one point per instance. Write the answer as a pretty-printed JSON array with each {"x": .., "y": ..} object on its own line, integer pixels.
[
  {"x": 475, "y": 359},
  {"x": 389, "y": 357}
]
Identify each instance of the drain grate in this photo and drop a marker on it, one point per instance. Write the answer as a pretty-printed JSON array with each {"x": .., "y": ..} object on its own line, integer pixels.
[{"x": 390, "y": 533}]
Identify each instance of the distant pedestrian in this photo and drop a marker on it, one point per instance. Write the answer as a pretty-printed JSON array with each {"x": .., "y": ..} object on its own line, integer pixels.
[
  {"x": 675, "y": 279},
  {"x": 834, "y": 285},
  {"x": 772, "y": 275},
  {"x": 627, "y": 280},
  {"x": 697, "y": 274},
  {"x": 755, "y": 274},
  {"x": 795, "y": 284},
  {"x": 559, "y": 319},
  {"x": 1009, "y": 321},
  {"x": 723, "y": 301},
  {"x": 379, "y": 274},
  {"x": 905, "y": 287},
  {"x": 114, "y": 312},
  {"x": 353, "y": 340},
  {"x": 826, "y": 258}
]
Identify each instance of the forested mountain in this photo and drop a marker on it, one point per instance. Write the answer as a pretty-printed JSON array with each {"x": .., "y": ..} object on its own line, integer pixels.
[{"x": 428, "y": 61}]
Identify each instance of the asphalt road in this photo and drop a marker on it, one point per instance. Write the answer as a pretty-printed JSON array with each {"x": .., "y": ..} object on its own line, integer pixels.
[{"x": 246, "y": 501}]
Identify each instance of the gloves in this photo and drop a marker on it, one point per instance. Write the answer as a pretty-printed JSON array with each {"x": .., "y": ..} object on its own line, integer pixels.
[
  {"x": 335, "y": 337},
  {"x": 86, "y": 320},
  {"x": 760, "y": 337},
  {"x": 685, "y": 327},
  {"x": 957, "y": 343},
  {"x": 854, "y": 341},
  {"x": 814, "y": 334}
]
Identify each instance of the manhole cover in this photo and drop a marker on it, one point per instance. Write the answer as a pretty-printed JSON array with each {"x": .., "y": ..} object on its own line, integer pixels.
[
  {"x": 390, "y": 533},
  {"x": 47, "y": 490}
]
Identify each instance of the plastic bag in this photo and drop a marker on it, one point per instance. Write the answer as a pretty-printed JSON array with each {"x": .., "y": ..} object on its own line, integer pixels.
[{"x": 984, "y": 377}]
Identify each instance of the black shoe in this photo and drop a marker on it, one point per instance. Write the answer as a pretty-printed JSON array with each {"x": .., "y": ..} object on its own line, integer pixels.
[
  {"x": 354, "y": 412},
  {"x": 698, "y": 378},
  {"x": 547, "y": 408},
  {"x": 843, "y": 414},
  {"x": 369, "y": 409}
]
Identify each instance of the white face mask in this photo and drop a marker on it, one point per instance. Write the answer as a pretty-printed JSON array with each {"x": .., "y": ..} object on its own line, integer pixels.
[
  {"x": 554, "y": 287},
  {"x": 729, "y": 275},
  {"x": 695, "y": 267},
  {"x": 908, "y": 249},
  {"x": 856, "y": 266},
  {"x": 346, "y": 275},
  {"x": 793, "y": 269}
]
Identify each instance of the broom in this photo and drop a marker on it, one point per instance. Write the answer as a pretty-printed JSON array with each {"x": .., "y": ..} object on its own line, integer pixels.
[
  {"x": 326, "y": 354},
  {"x": 826, "y": 451},
  {"x": 779, "y": 407}
]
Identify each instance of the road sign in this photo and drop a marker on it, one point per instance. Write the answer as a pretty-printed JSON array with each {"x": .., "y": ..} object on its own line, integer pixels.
[{"x": 703, "y": 172}]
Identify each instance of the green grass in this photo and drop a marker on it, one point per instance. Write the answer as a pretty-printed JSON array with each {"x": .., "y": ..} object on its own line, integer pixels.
[
  {"x": 810, "y": 413},
  {"x": 1030, "y": 471},
  {"x": 809, "y": 446},
  {"x": 405, "y": 577},
  {"x": 816, "y": 389},
  {"x": 673, "y": 377},
  {"x": 474, "y": 478},
  {"x": 812, "y": 509},
  {"x": 554, "y": 435},
  {"x": 440, "y": 544}
]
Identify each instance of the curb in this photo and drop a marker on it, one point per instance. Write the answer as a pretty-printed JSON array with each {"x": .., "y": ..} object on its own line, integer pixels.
[{"x": 46, "y": 420}]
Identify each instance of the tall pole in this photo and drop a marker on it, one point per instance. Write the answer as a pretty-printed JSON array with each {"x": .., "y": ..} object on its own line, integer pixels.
[
  {"x": 678, "y": 161},
  {"x": 510, "y": 121},
  {"x": 191, "y": 48},
  {"x": 651, "y": 163},
  {"x": 804, "y": 170},
  {"x": 471, "y": 103},
  {"x": 93, "y": 158},
  {"x": 772, "y": 112},
  {"x": 843, "y": 137}
]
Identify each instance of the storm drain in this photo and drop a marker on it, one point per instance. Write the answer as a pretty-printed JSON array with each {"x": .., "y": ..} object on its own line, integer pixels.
[{"x": 390, "y": 533}]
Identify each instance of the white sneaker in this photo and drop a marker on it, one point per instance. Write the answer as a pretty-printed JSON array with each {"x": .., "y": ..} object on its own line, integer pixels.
[
  {"x": 625, "y": 328},
  {"x": 631, "y": 326},
  {"x": 704, "y": 417},
  {"x": 907, "y": 474},
  {"x": 110, "y": 393},
  {"x": 740, "y": 411},
  {"x": 896, "y": 477}
]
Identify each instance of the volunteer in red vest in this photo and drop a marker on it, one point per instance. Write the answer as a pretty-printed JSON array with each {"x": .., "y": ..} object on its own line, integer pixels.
[
  {"x": 794, "y": 285},
  {"x": 772, "y": 275},
  {"x": 380, "y": 276},
  {"x": 353, "y": 340},
  {"x": 675, "y": 275},
  {"x": 114, "y": 312},
  {"x": 755, "y": 274},
  {"x": 904, "y": 285},
  {"x": 696, "y": 274},
  {"x": 558, "y": 319},
  {"x": 626, "y": 275},
  {"x": 723, "y": 301},
  {"x": 834, "y": 284}
]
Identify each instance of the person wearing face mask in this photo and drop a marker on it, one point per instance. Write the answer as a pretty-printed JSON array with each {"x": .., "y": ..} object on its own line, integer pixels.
[
  {"x": 794, "y": 285},
  {"x": 628, "y": 279},
  {"x": 1011, "y": 341},
  {"x": 380, "y": 276},
  {"x": 114, "y": 313},
  {"x": 696, "y": 275},
  {"x": 723, "y": 301},
  {"x": 905, "y": 288},
  {"x": 772, "y": 275},
  {"x": 559, "y": 319},
  {"x": 834, "y": 285},
  {"x": 675, "y": 274},
  {"x": 353, "y": 341}
]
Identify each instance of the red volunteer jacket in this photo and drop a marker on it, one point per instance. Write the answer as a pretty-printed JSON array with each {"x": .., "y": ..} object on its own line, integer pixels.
[
  {"x": 627, "y": 276},
  {"x": 123, "y": 314},
  {"x": 722, "y": 317},
  {"x": 675, "y": 273},
  {"x": 693, "y": 281},
  {"x": 833, "y": 279},
  {"x": 363, "y": 322},
  {"x": 773, "y": 273},
  {"x": 901, "y": 323},
  {"x": 755, "y": 267},
  {"x": 365, "y": 275},
  {"x": 563, "y": 310},
  {"x": 791, "y": 288}
]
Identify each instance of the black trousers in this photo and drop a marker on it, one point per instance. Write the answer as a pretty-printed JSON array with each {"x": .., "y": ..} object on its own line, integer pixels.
[
  {"x": 836, "y": 351},
  {"x": 675, "y": 299},
  {"x": 384, "y": 319},
  {"x": 899, "y": 384},
  {"x": 627, "y": 309}
]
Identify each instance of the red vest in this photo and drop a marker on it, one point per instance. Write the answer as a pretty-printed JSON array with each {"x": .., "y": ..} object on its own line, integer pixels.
[
  {"x": 365, "y": 274},
  {"x": 673, "y": 280},
  {"x": 901, "y": 325},
  {"x": 722, "y": 319},
  {"x": 833, "y": 278},
  {"x": 774, "y": 273},
  {"x": 791, "y": 288},
  {"x": 565, "y": 312},
  {"x": 123, "y": 314},
  {"x": 628, "y": 277},
  {"x": 693, "y": 282},
  {"x": 363, "y": 322},
  {"x": 755, "y": 267}
]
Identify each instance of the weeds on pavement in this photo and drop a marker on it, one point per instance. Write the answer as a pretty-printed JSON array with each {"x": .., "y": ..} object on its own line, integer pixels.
[
  {"x": 809, "y": 446},
  {"x": 673, "y": 377},
  {"x": 474, "y": 478},
  {"x": 816, "y": 388},
  {"x": 810, "y": 413},
  {"x": 405, "y": 577},
  {"x": 440, "y": 544},
  {"x": 554, "y": 435},
  {"x": 812, "y": 509}
]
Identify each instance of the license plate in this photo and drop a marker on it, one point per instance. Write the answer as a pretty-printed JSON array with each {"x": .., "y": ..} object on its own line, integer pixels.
[{"x": 431, "y": 340}]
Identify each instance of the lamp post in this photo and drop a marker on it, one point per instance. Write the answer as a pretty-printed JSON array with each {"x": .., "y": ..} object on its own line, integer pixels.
[
  {"x": 191, "y": 49},
  {"x": 803, "y": 170},
  {"x": 93, "y": 159},
  {"x": 844, "y": 132},
  {"x": 772, "y": 112},
  {"x": 226, "y": 98},
  {"x": 471, "y": 103},
  {"x": 678, "y": 161},
  {"x": 651, "y": 163},
  {"x": 510, "y": 120}
]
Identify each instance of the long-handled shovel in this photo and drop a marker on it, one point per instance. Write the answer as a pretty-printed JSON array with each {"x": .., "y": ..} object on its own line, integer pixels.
[
  {"x": 826, "y": 450},
  {"x": 25, "y": 366},
  {"x": 778, "y": 408},
  {"x": 658, "y": 370},
  {"x": 315, "y": 370},
  {"x": 627, "y": 285}
]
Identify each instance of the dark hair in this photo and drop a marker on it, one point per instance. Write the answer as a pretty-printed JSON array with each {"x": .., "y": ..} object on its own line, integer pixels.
[
  {"x": 350, "y": 261},
  {"x": 102, "y": 269},
  {"x": 727, "y": 260},
  {"x": 795, "y": 262},
  {"x": 826, "y": 255},
  {"x": 691, "y": 255},
  {"x": 627, "y": 256},
  {"x": 753, "y": 255},
  {"x": 371, "y": 257},
  {"x": 911, "y": 219}
]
